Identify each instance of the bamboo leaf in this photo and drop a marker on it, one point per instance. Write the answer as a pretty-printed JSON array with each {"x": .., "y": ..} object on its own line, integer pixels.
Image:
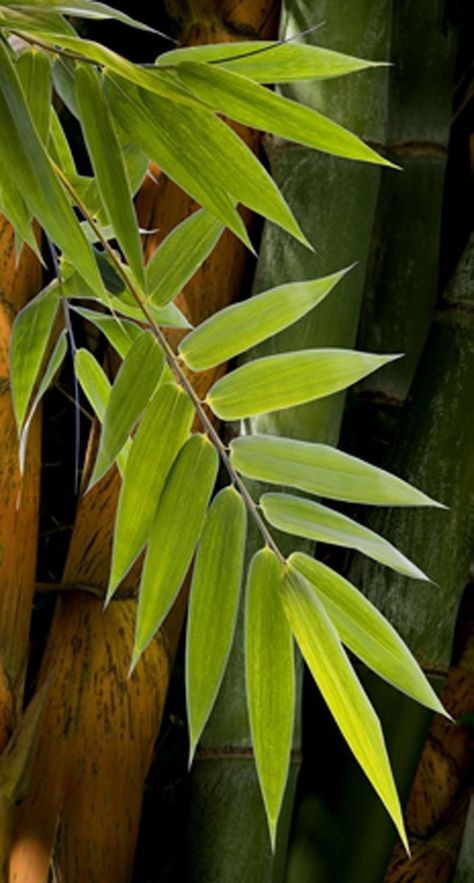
[
  {"x": 323, "y": 470},
  {"x": 162, "y": 432},
  {"x": 270, "y": 680},
  {"x": 180, "y": 255},
  {"x": 305, "y": 518},
  {"x": 22, "y": 150},
  {"x": 240, "y": 326},
  {"x": 270, "y": 61},
  {"x": 213, "y": 606},
  {"x": 59, "y": 146},
  {"x": 109, "y": 167},
  {"x": 80, "y": 9},
  {"x": 174, "y": 534},
  {"x": 135, "y": 383},
  {"x": 33, "y": 20},
  {"x": 53, "y": 366},
  {"x": 31, "y": 333},
  {"x": 347, "y": 701},
  {"x": 96, "y": 387},
  {"x": 366, "y": 632},
  {"x": 120, "y": 333},
  {"x": 253, "y": 105},
  {"x": 34, "y": 72},
  {"x": 276, "y": 382}
]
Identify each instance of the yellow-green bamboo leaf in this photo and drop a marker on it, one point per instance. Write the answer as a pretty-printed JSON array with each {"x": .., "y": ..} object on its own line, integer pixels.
[
  {"x": 282, "y": 381},
  {"x": 254, "y": 105},
  {"x": 54, "y": 363},
  {"x": 96, "y": 387},
  {"x": 240, "y": 326},
  {"x": 305, "y": 518},
  {"x": 162, "y": 432},
  {"x": 136, "y": 381},
  {"x": 213, "y": 606},
  {"x": 34, "y": 71},
  {"x": 31, "y": 333},
  {"x": 340, "y": 688},
  {"x": 109, "y": 166},
  {"x": 120, "y": 333},
  {"x": 82, "y": 9},
  {"x": 175, "y": 532},
  {"x": 270, "y": 680},
  {"x": 59, "y": 147},
  {"x": 365, "y": 632},
  {"x": 322, "y": 470}
]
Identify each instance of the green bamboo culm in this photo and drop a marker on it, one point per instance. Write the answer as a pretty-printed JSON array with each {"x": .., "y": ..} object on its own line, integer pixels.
[{"x": 335, "y": 201}]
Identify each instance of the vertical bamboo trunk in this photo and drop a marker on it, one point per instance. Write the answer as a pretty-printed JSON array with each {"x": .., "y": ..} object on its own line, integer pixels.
[
  {"x": 19, "y": 281},
  {"x": 335, "y": 203},
  {"x": 99, "y": 726}
]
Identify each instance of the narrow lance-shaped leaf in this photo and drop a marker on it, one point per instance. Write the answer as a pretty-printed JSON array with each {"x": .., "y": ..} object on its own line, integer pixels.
[
  {"x": 240, "y": 326},
  {"x": 31, "y": 333},
  {"x": 120, "y": 333},
  {"x": 136, "y": 381},
  {"x": 96, "y": 387},
  {"x": 175, "y": 531},
  {"x": 270, "y": 680},
  {"x": 253, "y": 105},
  {"x": 162, "y": 432},
  {"x": 323, "y": 470},
  {"x": 270, "y": 61},
  {"x": 14, "y": 207},
  {"x": 276, "y": 382},
  {"x": 347, "y": 701},
  {"x": 82, "y": 9},
  {"x": 53, "y": 366},
  {"x": 180, "y": 255},
  {"x": 213, "y": 606},
  {"x": 305, "y": 518},
  {"x": 109, "y": 167},
  {"x": 366, "y": 632},
  {"x": 34, "y": 71},
  {"x": 59, "y": 147}
]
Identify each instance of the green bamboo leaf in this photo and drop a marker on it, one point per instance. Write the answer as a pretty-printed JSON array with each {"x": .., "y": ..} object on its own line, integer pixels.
[
  {"x": 14, "y": 207},
  {"x": 154, "y": 135},
  {"x": 213, "y": 606},
  {"x": 276, "y": 382},
  {"x": 347, "y": 701},
  {"x": 53, "y": 366},
  {"x": 162, "y": 432},
  {"x": 253, "y": 105},
  {"x": 59, "y": 146},
  {"x": 241, "y": 326},
  {"x": 322, "y": 470},
  {"x": 32, "y": 20},
  {"x": 180, "y": 255},
  {"x": 366, "y": 632},
  {"x": 305, "y": 518},
  {"x": 269, "y": 61},
  {"x": 120, "y": 333},
  {"x": 109, "y": 167},
  {"x": 22, "y": 150},
  {"x": 81, "y": 9},
  {"x": 136, "y": 381},
  {"x": 174, "y": 534},
  {"x": 31, "y": 334},
  {"x": 270, "y": 680},
  {"x": 34, "y": 71},
  {"x": 96, "y": 387}
]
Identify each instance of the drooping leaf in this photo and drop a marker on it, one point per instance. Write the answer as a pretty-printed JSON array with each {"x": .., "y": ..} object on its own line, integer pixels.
[
  {"x": 180, "y": 255},
  {"x": 31, "y": 20},
  {"x": 96, "y": 387},
  {"x": 347, "y": 701},
  {"x": 270, "y": 61},
  {"x": 240, "y": 326},
  {"x": 120, "y": 333},
  {"x": 174, "y": 534},
  {"x": 305, "y": 518},
  {"x": 109, "y": 167},
  {"x": 14, "y": 207},
  {"x": 323, "y": 470},
  {"x": 34, "y": 71},
  {"x": 253, "y": 105},
  {"x": 270, "y": 680},
  {"x": 366, "y": 632},
  {"x": 81, "y": 9},
  {"x": 53, "y": 366},
  {"x": 59, "y": 146},
  {"x": 136, "y": 381},
  {"x": 213, "y": 606},
  {"x": 31, "y": 333},
  {"x": 162, "y": 432},
  {"x": 276, "y": 382}
]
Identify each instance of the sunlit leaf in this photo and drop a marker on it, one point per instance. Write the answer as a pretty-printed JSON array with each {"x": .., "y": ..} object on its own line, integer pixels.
[
  {"x": 270, "y": 680},
  {"x": 276, "y": 382},
  {"x": 120, "y": 333},
  {"x": 213, "y": 606},
  {"x": 96, "y": 387},
  {"x": 323, "y": 470},
  {"x": 34, "y": 70},
  {"x": 174, "y": 534},
  {"x": 240, "y": 326},
  {"x": 347, "y": 701},
  {"x": 305, "y": 518},
  {"x": 136, "y": 381},
  {"x": 366, "y": 632},
  {"x": 162, "y": 432},
  {"x": 80, "y": 9},
  {"x": 53, "y": 366}
]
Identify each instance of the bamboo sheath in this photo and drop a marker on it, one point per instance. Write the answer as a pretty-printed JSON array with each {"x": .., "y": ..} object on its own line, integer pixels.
[
  {"x": 99, "y": 727},
  {"x": 335, "y": 203}
]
